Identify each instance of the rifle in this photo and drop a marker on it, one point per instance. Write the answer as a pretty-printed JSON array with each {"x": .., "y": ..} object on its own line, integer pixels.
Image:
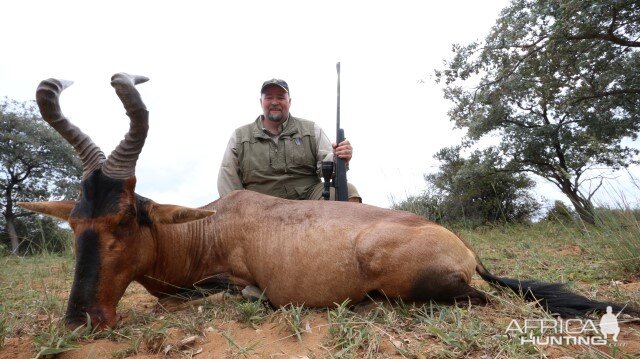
[{"x": 340, "y": 180}]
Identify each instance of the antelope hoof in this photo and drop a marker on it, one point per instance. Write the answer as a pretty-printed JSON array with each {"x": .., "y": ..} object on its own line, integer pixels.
[{"x": 123, "y": 78}]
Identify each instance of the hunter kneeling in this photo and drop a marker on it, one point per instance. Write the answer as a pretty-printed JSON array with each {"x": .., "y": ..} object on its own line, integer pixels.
[{"x": 278, "y": 154}]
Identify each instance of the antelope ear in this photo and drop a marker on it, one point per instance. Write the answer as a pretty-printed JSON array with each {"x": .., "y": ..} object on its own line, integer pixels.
[
  {"x": 57, "y": 209},
  {"x": 172, "y": 214}
]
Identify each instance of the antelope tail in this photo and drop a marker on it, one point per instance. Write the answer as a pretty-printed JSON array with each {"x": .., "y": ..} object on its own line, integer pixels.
[{"x": 555, "y": 298}]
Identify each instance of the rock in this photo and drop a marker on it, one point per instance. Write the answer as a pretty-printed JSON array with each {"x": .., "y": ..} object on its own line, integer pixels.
[{"x": 253, "y": 293}]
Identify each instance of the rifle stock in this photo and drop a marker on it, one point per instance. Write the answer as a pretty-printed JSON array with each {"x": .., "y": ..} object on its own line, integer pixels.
[{"x": 341, "y": 173}]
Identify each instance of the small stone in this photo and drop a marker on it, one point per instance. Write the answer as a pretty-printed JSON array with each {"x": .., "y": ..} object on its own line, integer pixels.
[
  {"x": 188, "y": 341},
  {"x": 167, "y": 349},
  {"x": 252, "y": 293}
]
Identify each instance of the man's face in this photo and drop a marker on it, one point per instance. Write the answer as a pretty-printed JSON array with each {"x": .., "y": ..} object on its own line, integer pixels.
[{"x": 275, "y": 103}]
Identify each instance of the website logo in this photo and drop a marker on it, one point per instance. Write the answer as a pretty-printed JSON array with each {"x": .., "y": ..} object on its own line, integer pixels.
[{"x": 566, "y": 332}]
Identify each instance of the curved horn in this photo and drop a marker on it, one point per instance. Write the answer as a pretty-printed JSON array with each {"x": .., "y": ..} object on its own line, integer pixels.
[
  {"x": 48, "y": 99},
  {"x": 122, "y": 161}
]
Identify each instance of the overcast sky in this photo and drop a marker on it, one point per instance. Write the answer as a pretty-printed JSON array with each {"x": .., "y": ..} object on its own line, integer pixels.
[{"x": 206, "y": 61}]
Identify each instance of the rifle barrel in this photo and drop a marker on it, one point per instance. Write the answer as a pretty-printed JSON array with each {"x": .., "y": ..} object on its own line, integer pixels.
[{"x": 338, "y": 101}]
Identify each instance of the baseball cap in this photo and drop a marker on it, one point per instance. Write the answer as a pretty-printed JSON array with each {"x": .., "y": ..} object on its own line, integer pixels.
[{"x": 277, "y": 82}]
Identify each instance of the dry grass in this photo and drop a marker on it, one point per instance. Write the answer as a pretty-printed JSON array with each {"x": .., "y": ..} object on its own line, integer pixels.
[{"x": 33, "y": 292}]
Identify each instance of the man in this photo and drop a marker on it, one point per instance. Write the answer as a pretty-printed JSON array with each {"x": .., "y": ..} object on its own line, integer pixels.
[{"x": 278, "y": 154}]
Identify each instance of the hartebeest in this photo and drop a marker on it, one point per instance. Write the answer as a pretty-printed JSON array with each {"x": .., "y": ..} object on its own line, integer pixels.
[{"x": 312, "y": 252}]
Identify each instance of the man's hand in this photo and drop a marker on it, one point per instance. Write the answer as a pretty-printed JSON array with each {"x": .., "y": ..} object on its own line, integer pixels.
[{"x": 343, "y": 150}]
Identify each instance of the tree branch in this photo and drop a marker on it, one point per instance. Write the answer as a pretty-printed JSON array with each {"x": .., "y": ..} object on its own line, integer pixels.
[
  {"x": 519, "y": 124},
  {"x": 609, "y": 36},
  {"x": 516, "y": 66},
  {"x": 607, "y": 93}
]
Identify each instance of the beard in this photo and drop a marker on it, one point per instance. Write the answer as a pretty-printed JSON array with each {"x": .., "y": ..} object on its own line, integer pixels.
[{"x": 275, "y": 117}]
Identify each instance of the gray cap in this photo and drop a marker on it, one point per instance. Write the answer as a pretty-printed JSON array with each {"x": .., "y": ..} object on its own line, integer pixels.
[{"x": 275, "y": 82}]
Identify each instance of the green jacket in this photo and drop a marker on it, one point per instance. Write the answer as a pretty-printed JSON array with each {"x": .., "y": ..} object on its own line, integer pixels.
[{"x": 286, "y": 167}]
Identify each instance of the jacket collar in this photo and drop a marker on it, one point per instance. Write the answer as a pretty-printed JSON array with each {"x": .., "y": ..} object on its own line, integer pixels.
[{"x": 288, "y": 129}]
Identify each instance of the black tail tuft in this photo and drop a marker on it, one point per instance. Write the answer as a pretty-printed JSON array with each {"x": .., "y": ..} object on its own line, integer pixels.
[{"x": 555, "y": 298}]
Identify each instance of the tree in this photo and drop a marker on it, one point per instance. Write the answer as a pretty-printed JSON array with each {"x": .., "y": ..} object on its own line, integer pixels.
[
  {"x": 558, "y": 81},
  {"x": 36, "y": 164},
  {"x": 474, "y": 190},
  {"x": 38, "y": 234}
]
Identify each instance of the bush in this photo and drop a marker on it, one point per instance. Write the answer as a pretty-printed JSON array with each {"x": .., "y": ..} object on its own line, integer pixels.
[
  {"x": 426, "y": 205},
  {"x": 560, "y": 213},
  {"x": 473, "y": 191},
  {"x": 39, "y": 235}
]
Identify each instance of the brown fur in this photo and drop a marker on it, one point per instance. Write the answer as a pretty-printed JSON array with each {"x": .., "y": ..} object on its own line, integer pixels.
[
  {"x": 312, "y": 252},
  {"x": 320, "y": 253}
]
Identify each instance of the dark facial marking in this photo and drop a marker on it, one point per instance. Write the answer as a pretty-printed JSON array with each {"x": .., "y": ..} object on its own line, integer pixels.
[
  {"x": 85, "y": 279},
  {"x": 100, "y": 196}
]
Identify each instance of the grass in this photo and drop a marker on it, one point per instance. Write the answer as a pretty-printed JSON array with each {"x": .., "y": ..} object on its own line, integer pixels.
[
  {"x": 55, "y": 339},
  {"x": 293, "y": 316},
  {"x": 31, "y": 288},
  {"x": 251, "y": 312},
  {"x": 502, "y": 248},
  {"x": 348, "y": 333},
  {"x": 4, "y": 329},
  {"x": 33, "y": 293}
]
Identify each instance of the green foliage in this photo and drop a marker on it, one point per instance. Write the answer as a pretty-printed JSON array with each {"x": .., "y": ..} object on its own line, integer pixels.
[
  {"x": 474, "y": 191},
  {"x": 454, "y": 326},
  {"x": 427, "y": 205},
  {"x": 560, "y": 213},
  {"x": 36, "y": 164},
  {"x": 617, "y": 217},
  {"x": 4, "y": 330},
  {"x": 38, "y": 234},
  {"x": 293, "y": 315},
  {"x": 251, "y": 311},
  {"x": 56, "y": 339},
  {"x": 620, "y": 230},
  {"x": 558, "y": 82}
]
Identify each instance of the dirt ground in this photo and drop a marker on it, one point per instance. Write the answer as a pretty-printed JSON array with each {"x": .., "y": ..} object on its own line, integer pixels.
[{"x": 224, "y": 338}]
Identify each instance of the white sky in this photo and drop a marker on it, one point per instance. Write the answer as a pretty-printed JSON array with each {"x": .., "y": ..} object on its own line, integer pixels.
[{"x": 206, "y": 61}]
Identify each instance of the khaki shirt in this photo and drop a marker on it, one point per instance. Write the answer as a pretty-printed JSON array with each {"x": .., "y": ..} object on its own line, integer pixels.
[{"x": 286, "y": 165}]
